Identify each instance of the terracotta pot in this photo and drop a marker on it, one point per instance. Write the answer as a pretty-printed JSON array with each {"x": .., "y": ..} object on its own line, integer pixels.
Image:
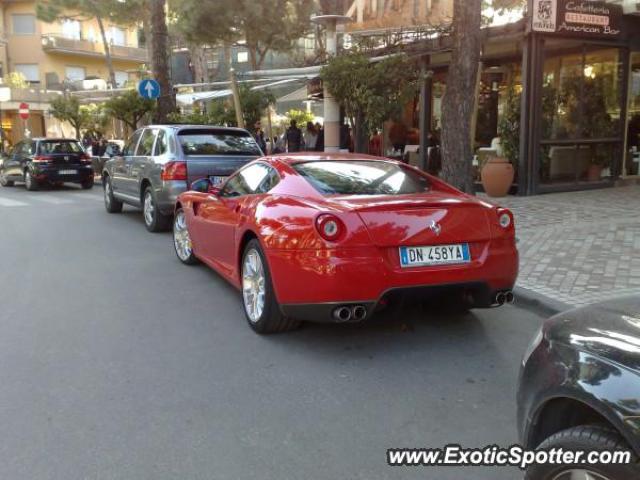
[
  {"x": 594, "y": 172},
  {"x": 497, "y": 176}
]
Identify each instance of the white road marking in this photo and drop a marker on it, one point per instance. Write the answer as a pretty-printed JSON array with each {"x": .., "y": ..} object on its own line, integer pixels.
[{"x": 7, "y": 202}]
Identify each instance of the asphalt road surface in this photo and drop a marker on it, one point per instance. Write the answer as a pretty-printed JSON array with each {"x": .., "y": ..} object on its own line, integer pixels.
[{"x": 118, "y": 362}]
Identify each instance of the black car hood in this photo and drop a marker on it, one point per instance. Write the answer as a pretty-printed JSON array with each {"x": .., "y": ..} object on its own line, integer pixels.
[{"x": 610, "y": 330}]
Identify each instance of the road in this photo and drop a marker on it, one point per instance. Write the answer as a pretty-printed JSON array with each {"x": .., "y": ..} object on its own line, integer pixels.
[{"x": 118, "y": 362}]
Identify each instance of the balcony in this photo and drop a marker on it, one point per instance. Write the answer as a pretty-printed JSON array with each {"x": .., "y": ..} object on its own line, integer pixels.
[{"x": 52, "y": 43}]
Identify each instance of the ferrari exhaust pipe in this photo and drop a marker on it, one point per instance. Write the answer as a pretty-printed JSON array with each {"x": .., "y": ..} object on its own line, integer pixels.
[
  {"x": 509, "y": 297},
  {"x": 359, "y": 312},
  {"x": 500, "y": 298},
  {"x": 342, "y": 314}
]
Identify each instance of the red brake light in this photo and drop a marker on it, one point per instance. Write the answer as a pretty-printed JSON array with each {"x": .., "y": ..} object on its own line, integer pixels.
[
  {"x": 174, "y": 171},
  {"x": 42, "y": 158},
  {"x": 84, "y": 158},
  {"x": 329, "y": 227}
]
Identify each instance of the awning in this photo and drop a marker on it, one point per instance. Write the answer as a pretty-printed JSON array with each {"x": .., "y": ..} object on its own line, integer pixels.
[
  {"x": 191, "y": 98},
  {"x": 299, "y": 95}
]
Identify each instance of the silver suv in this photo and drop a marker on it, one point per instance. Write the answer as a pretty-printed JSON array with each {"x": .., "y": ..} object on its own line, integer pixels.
[{"x": 161, "y": 161}]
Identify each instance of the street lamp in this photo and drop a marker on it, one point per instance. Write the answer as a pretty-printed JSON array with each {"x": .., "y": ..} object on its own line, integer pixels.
[
  {"x": 5, "y": 96},
  {"x": 331, "y": 107}
]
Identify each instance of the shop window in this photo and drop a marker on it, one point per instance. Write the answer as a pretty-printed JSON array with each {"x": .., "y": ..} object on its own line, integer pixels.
[
  {"x": 632, "y": 161},
  {"x": 23, "y": 24}
]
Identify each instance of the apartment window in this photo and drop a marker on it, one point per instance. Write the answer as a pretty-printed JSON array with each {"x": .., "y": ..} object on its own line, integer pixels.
[
  {"x": 71, "y": 29},
  {"x": 75, "y": 73},
  {"x": 117, "y": 36},
  {"x": 30, "y": 71},
  {"x": 24, "y": 24},
  {"x": 243, "y": 57},
  {"x": 121, "y": 78}
]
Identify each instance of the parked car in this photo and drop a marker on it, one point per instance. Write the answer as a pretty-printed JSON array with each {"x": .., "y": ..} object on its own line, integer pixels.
[
  {"x": 579, "y": 388},
  {"x": 46, "y": 160},
  {"x": 160, "y": 161},
  {"x": 329, "y": 237}
]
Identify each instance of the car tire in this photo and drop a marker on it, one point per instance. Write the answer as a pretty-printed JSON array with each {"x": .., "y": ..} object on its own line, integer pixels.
[
  {"x": 111, "y": 204},
  {"x": 4, "y": 182},
  {"x": 154, "y": 220},
  {"x": 587, "y": 438},
  {"x": 30, "y": 183},
  {"x": 264, "y": 316},
  {"x": 181, "y": 239},
  {"x": 87, "y": 184}
]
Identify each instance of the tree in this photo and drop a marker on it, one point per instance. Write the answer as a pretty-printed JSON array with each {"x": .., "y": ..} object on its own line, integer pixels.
[
  {"x": 129, "y": 107},
  {"x": 160, "y": 62},
  {"x": 370, "y": 92},
  {"x": 68, "y": 109},
  {"x": 101, "y": 10},
  {"x": 262, "y": 27}
]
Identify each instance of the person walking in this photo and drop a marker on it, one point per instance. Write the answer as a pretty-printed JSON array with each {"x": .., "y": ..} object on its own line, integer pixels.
[
  {"x": 258, "y": 135},
  {"x": 320, "y": 138},
  {"x": 310, "y": 137},
  {"x": 293, "y": 137}
]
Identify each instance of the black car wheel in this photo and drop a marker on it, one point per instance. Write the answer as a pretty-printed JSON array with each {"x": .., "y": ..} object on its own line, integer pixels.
[
  {"x": 87, "y": 184},
  {"x": 4, "y": 181},
  {"x": 182, "y": 239},
  {"x": 154, "y": 220},
  {"x": 260, "y": 305},
  {"x": 587, "y": 438},
  {"x": 111, "y": 204},
  {"x": 30, "y": 183}
]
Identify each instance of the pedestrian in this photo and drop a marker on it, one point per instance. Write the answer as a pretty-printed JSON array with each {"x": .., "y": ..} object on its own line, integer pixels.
[
  {"x": 310, "y": 137},
  {"x": 375, "y": 144},
  {"x": 280, "y": 144},
  {"x": 398, "y": 136},
  {"x": 101, "y": 148},
  {"x": 293, "y": 137},
  {"x": 320, "y": 139},
  {"x": 258, "y": 135}
]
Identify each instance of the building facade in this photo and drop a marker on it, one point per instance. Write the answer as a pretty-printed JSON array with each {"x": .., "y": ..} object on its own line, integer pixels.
[{"x": 58, "y": 56}]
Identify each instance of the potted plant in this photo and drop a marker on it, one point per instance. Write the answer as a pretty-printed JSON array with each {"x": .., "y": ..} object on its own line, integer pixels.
[{"x": 498, "y": 173}]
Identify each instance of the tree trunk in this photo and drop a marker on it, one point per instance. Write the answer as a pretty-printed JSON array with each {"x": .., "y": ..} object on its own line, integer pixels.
[
  {"x": 457, "y": 107},
  {"x": 107, "y": 52},
  {"x": 360, "y": 143},
  {"x": 146, "y": 28},
  {"x": 199, "y": 63},
  {"x": 160, "y": 62}
]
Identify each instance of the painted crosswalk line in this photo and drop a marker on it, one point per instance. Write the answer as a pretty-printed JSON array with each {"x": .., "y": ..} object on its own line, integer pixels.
[{"x": 8, "y": 202}]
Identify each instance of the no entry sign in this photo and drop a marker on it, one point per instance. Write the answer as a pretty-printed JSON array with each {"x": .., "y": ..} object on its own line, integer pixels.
[{"x": 23, "y": 110}]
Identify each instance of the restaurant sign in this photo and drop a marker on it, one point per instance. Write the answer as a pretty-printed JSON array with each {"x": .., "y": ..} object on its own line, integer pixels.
[{"x": 582, "y": 18}]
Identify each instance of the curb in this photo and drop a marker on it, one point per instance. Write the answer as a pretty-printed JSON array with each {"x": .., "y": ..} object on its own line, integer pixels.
[{"x": 538, "y": 303}]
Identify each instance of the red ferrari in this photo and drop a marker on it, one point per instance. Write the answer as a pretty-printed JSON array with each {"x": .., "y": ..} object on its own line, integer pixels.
[{"x": 329, "y": 238}]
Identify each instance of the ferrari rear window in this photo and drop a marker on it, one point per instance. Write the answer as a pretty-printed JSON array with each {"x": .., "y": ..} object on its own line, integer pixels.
[{"x": 362, "y": 177}]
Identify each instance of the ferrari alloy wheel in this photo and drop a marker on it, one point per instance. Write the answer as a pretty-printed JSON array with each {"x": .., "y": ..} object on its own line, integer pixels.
[
  {"x": 110, "y": 203},
  {"x": 154, "y": 220},
  {"x": 182, "y": 240},
  {"x": 260, "y": 305},
  {"x": 30, "y": 182},
  {"x": 589, "y": 438}
]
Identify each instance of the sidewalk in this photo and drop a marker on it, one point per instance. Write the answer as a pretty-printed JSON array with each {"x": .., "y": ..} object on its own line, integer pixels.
[{"x": 579, "y": 247}]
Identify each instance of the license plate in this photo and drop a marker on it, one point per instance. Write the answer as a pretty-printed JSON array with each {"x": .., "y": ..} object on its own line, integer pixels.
[
  {"x": 67, "y": 172},
  {"x": 434, "y": 255},
  {"x": 216, "y": 181}
]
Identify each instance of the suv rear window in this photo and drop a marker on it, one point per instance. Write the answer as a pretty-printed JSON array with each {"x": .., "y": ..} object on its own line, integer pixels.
[
  {"x": 361, "y": 177},
  {"x": 51, "y": 147},
  {"x": 217, "y": 142}
]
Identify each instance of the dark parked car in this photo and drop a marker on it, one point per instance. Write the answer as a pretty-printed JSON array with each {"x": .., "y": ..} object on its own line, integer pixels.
[
  {"x": 580, "y": 389},
  {"x": 160, "y": 162},
  {"x": 46, "y": 160}
]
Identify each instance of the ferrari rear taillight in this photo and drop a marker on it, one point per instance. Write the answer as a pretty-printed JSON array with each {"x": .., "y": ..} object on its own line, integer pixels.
[
  {"x": 174, "y": 171},
  {"x": 329, "y": 227}
]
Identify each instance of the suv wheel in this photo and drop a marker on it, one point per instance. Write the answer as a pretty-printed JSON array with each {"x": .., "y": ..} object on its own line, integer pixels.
[
  {"x": 182, "y": 239},
  {"x": 87, "y": 184},
  {"x": 110, "y": 203},
  {"x": 586, "y": 438},
  {"x": 154, "y": 220},
  {"x": 4, "y": 182},
  {"x": 260, "y": 305},
  {"x": 30, "y": 183}
]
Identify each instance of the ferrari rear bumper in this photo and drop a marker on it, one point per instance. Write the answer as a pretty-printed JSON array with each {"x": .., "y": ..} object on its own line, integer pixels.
[{"x": 311, "y": 284}]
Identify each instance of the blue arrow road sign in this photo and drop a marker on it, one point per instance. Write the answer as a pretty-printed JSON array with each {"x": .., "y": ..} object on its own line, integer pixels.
[{"x": 149, "y": 88}]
